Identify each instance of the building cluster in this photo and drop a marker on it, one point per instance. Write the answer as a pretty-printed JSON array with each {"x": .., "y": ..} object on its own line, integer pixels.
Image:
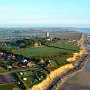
[
  {"x": 21, "y": 62},
  {"x": 3, "y": 44}
]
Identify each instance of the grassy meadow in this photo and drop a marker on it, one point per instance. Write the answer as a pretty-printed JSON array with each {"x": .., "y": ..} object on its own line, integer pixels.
[{"x": 54, "y": 49}]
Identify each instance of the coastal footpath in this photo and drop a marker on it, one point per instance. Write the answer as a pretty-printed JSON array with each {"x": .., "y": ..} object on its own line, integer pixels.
[{"x": 58, "y": 72}]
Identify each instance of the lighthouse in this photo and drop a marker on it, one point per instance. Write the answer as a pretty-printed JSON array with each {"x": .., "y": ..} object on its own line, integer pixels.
[{"x": 47, "y": 34}]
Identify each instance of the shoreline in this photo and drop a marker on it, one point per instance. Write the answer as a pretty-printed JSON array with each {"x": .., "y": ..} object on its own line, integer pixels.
[{"x": 68, "y": 76}]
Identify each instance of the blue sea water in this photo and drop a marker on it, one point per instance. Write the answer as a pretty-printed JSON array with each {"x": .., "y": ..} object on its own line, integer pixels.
[{"x": 84, "y": 30}]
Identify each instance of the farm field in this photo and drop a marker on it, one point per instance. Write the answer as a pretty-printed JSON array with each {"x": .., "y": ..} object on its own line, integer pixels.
[
  {"x": 68, "y": 35},
  {"x": 6, "y": 78},
  {"x": 45, "y": 51},
  {"x": 7, "y": 82},
  {"x": 9, "y": 87},
  {"x": 39, "y": 51},
  {"x": 66, "y": 45},
  {"x": 2, "y": 70}
]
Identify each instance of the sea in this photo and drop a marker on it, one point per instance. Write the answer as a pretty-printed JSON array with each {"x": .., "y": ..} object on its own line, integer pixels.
[{"x": 83, "y": 30}]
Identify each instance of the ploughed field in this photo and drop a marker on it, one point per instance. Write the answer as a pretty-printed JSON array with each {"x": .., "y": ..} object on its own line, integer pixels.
[
  {"x": 7, "y": 82},
  {"x": 6, "y": 78}
]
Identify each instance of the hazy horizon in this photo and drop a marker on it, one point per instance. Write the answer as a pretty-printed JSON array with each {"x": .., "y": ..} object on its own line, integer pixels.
[
  {"x": 35, "y": 26},
  {"x": 48, "y": 13}
]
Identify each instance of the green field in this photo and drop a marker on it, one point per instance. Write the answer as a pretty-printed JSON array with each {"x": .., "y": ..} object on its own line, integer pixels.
[
  {"x": 45, "y": 51},
  {"x": 9, "y": 87},
  {"x": 66, "y": 45},
  {"x": 59, "y": 60},
  {"x": 39, "y": 51}
]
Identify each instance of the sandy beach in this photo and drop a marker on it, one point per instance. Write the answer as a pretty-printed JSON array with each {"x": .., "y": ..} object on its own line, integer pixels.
[{"x": 78, "y": 80}]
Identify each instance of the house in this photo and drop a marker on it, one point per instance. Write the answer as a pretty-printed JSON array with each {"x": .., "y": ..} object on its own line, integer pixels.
[
  {"x": 9, "y": 67},
  {"x": 24, "y": 79},
  {"x": 21, "y": 73},
  {"x": 1, "y": 53},
  {"x": 24, "y": 62},
  {"x": 36, "y": 44},
  {"x": 13, "y": 57},
  {"x": 30, "y": 64},
  {"x": 3, "y": 44}
]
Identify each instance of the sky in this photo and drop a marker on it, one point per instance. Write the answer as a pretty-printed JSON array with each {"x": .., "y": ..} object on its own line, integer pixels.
[{"x": 63, "y": 13}]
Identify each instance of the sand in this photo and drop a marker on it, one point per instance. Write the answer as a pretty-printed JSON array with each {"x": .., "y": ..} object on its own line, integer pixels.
[{"x": 79, "y": 80}]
